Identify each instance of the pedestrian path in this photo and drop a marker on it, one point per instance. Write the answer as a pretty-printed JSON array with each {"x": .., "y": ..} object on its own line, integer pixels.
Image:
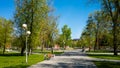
[{"x": 69, "y": 59}]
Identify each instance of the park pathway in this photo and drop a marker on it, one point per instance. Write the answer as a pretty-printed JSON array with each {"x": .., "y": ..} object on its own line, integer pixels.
[{"x": 69, "y": 59}]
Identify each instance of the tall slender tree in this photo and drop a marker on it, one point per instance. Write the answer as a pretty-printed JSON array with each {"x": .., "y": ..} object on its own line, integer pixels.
[
  {"x": 33, "y": 13},
  {"x": 6, "y": 28},
  {"x": 112, "y": 7},
  {"x": 66, "y": 34}
]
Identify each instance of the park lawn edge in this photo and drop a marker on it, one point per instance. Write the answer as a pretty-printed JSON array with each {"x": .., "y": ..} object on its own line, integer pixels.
[{"x": 19, "y": 61}]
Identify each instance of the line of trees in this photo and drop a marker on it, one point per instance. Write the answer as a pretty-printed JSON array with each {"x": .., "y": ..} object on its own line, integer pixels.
[
  {"x": 40, "y": 20},
  {"x": 103, "y": 27},
  {"x": 6, "y": 29}
]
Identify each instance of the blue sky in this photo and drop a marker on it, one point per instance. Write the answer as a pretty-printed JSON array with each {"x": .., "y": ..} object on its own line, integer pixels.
[
  {"x": 7, "y": 8},
  {"x": 73, "y": 13}
]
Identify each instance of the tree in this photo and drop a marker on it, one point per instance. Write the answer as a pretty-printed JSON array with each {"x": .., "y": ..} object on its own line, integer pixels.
[
  {"x": 66, "y": 34},
  {"x": 98, "y": 26},
  {"x": 6, "y": 29},
  {"x": 33, "y": 13},
  {"x": 112, "y": 7},
  {"x": 90, "y": 31},
  {"x": 52, "y": 31},
  {"x": 59, "y": 40}
]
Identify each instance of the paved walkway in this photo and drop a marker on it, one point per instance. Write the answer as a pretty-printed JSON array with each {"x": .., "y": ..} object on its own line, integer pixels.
[{"x": 70, "y": 59}]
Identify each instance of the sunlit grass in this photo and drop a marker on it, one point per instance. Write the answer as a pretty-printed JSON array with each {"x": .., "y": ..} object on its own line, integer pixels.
[
  {"x": 56, "y": 52},
  {"x": 105, "y": 64},
  {"x": 99, "y": 51},
  {"x": 16, "y": 61},
  {"x": 105, "y": 56}
]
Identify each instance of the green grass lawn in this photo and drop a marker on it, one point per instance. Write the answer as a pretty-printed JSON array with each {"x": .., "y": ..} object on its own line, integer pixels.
[
  {"x": 56, "y": 52},
  {"x": 105, "y": 56},
  {"x": 16, "y": 61},
  {"x": 104, "y": 64},
  {"x": 99, "y": 51}
]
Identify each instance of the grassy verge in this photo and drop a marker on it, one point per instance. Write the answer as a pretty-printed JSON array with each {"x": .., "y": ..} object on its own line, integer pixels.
[
  {"x": 105, "y": 56},
  {"x": 16, "y": 61},
  {"x": 104, "y": 64},
  {"x": 99, "y": 51},
  {"x": 56, "y": 52}
]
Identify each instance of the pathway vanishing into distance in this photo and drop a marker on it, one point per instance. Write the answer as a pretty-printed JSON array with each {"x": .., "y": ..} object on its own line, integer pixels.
[{"x": 69, "y": 59}]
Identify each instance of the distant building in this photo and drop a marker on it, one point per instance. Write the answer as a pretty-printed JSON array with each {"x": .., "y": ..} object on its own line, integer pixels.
[
  {"x": 56, "y": 47},
  {"x": 75, "y": 39}
]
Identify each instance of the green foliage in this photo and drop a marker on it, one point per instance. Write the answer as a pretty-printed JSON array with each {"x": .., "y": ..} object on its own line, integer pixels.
[
  {"x": 107, "y": 23},
  {"x": 42, "y": 25},
  {"x": 106, "y": 40},
  {"x": 98, "y": 31},
  {"x": 59, "y": 40},
  {"x": 33, "y": 13},
  {"x": 112, "y": 8},
  {"x": 64, "y": 39},
  {"x": 6, "y": 29},
  {"x": 66, "y": 34}
]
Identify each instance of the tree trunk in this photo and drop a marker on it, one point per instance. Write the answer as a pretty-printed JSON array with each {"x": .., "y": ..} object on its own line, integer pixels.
[
  {"x": 30, "y": 41},
  {"x": 29, "y": 50},
  {"x": 4, "y": 50},
  {"x": 115, "y": 38},
  {"x": 22, "y": 50},
  {"x": 96, "y": 42},
  {"x": 89, "y": 48},
  {"x": 89, "y": 43},
  {"x": 115, "y": 17},
  {"x": 97, "y": 37},
  {"x": 51, "y": 49},
  {"x": 115, "y": 25},
  {"x": 42, "y": 48},
  {"x": 52, "y": 46}
]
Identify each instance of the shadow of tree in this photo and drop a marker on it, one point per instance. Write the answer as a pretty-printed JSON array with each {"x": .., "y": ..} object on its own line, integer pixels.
[
  {"x": 18, "y": 66},
  {"x": 73, "y": 54},
  {"x": 11, "y": 54},
  {"x": 104, "y": 64},
  {"x": 73, "y": 63}
]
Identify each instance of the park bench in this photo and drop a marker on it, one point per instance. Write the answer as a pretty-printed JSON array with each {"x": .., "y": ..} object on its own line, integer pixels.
[{"x": 48, "y": 56}]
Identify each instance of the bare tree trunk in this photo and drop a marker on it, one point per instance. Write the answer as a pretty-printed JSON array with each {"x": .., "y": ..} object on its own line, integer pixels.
[
  {"x": 22, "y": 50},
  {"x": 4, "y": 41},
  {"x": 51, "y": 49},
  {"x": 89, "y": 43},
  {"x": 42, "y": 48},
  {"x": 115, "y": 25},
  {"x": 96, "y": 41},
  {"x": 29, "y": 50},
  {"x": 115, "y": 39},
  {"x": 4, "y": 50}
]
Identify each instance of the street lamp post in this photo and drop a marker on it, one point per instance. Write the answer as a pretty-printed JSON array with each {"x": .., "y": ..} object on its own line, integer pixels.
[{"x": 27, "y": 33}]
